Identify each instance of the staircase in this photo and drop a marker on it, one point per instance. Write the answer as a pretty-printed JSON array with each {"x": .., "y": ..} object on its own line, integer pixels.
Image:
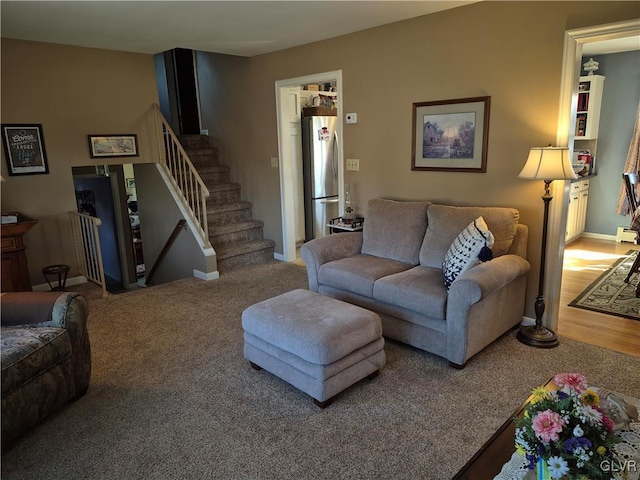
[{"x": 236, "y": 237}]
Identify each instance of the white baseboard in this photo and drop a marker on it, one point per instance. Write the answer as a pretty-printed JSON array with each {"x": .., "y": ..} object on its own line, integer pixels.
[
  {"x": 278, "y": 256},
  {"x": 44, "y": 287},
  {"x": 206, "y": 276},
  {"x": 599, "y": 236},
  {"x": 528, "y": 321}
]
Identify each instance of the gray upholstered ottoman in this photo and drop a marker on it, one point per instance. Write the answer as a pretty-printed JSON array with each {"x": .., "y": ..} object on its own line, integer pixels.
[{"x": 316, "y": 343}]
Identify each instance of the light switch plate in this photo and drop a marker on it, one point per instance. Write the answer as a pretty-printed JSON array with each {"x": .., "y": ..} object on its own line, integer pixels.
[
  {"x": 274, "y": 162},
  {"x": 352, "y": 118},
  {"x": 353, "y": 164}
]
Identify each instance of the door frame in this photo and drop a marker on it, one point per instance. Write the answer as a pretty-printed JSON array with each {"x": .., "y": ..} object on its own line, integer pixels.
[
  {"x": 286, "y": 162},
  {"x": 571, "y": 67}
]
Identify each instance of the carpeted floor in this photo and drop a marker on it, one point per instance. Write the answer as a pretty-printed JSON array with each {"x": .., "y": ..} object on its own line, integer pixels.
[
  {"x": 171, "y": 397},
  {"x": 610, "y": 294}
]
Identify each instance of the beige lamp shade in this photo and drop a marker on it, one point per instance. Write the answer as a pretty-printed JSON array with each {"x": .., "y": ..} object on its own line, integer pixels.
[{"x": 548, "y": 163}]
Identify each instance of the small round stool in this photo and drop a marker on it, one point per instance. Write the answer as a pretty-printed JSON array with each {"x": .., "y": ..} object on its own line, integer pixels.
[{"x": 61, "y": 272}]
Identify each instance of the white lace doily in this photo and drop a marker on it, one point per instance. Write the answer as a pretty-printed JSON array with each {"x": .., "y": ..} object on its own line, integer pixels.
[{"x": 627, "y": 452}]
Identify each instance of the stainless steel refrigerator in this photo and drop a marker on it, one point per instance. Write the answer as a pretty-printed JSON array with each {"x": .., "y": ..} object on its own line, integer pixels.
[{"x": 320, "y": 173}]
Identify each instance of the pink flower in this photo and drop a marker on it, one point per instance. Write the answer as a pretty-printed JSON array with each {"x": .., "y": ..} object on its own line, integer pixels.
[
  {"x": 547, "y": 425},
  {"x": 606, "y": 421},
  {"x": 571, "y": 381}
]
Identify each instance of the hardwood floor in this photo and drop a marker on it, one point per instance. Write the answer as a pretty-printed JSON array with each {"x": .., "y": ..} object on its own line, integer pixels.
[{"x": 584, "y": 260}]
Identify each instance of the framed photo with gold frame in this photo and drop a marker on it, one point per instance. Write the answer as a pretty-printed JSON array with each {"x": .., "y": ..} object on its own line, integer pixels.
[
  {"x": 451, "y": 135},
  {"x": 113, "y": 146}
]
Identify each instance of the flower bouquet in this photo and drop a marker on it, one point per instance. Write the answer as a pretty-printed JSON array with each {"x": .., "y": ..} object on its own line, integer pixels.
[{"x": 564, "y": 433}]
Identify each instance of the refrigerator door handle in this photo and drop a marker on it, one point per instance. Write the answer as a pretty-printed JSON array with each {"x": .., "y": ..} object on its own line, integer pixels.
[
  {"x": 335, "y": 156},
  {"x": 333, "y": 200}
]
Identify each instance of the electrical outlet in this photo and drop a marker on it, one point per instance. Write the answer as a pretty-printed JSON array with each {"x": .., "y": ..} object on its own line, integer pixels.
[
  {"x": 274, "y": 162},
  {"x": 353, "y": 164},
  {"x": 352, "y": 118}
]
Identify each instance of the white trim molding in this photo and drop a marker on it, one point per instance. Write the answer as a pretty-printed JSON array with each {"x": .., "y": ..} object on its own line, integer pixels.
[
  {"x": 206, "y": 276},
  {"x": 571, "y": 66}
]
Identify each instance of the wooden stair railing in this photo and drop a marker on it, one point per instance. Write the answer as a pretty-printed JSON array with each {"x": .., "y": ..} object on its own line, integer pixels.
[
  {"x": 184, "y": 175},
  {"x": 181, "y": 225},
  {"x": 86, "y": 240}
]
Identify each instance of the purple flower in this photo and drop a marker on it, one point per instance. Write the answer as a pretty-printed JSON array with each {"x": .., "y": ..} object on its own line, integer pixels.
[
  {"x": 533, "y": 460},
  {"x": 574, "y": 443}
]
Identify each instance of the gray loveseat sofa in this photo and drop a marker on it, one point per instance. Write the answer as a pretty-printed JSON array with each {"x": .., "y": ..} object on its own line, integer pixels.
[{"x": 394, "y": 268}]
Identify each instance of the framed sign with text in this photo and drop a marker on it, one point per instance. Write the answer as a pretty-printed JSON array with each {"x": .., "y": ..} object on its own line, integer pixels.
[{"x": 24, "y": 148}]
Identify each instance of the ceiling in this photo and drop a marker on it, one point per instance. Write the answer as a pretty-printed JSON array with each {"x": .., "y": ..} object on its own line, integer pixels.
[{"x": 244, "y": 28}]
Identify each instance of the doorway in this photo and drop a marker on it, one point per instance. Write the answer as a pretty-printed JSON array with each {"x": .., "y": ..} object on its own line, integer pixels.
[
  {"x": 104, "y": 191},
  {"x": 572, "y": 64},
  {"x": 178, "y": 90},
  {"x": 289, "y": 142}
]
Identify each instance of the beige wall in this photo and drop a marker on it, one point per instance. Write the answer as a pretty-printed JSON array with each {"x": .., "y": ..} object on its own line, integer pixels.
[
  {"x": 72, "y": 92},
  {"x": 511, "y": 51}
]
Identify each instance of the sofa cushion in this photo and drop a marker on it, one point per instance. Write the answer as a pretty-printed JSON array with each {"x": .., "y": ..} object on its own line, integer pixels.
[
  {"x": 419, "y": 289},
  {"x": 357, "y": 274},
  {"x": 446, "y": 222},
  {"x": 26, "y": 352},
  {"x": 395, "y": 229},
  {"x": 466, "y": 249}
]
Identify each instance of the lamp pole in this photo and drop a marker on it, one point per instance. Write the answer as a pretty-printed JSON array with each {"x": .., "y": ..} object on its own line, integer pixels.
[{"x": 538, "y": 335}]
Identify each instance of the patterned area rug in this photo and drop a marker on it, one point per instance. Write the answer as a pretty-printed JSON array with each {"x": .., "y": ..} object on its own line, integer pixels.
[{"x": 609, "y": 294}]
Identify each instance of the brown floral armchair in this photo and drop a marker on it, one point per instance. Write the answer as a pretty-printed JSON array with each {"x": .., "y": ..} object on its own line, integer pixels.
[{"x": 46, "y": 357}]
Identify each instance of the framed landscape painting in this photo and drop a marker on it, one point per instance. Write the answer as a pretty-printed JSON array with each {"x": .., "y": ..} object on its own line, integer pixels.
[
  {"x": 113, "y": 146},
  {"x": 451, "y": 135},
  {"x": 24, "y": 149}
]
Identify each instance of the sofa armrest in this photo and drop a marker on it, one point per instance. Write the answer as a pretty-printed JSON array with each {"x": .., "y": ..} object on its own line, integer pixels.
[
  {"x": 326, "y": 249},
  {"x": 68, "y": 310},
  {"x": 485, "y": 278},
  {"x": 483, "y": 303}
]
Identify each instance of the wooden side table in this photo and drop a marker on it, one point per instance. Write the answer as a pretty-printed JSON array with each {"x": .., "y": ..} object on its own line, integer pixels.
[{"x": 15, "y": 271}]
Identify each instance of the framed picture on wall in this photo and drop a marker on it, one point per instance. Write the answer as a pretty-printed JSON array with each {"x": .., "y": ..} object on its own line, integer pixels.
[
  {"x": 24, "y": 148},
  {"x": 101, "y": 146},
  {"x": 451, "y": 135}
]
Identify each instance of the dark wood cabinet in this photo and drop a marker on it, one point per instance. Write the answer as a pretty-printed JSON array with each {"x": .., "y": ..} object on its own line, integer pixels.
[{"x": 15, "y": 271}]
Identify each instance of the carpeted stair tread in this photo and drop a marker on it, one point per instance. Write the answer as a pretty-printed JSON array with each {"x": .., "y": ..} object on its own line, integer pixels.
[
  {"x": 202, "y": 151},
  {"x": 194, "y": 141},
  {"x": 223, "y": 186},
  {"x": 214, "y": 174},
  {"x": 223, "y": 213},
  {"x": 228, "y": 207},
  {"x": 235, "y": 227},
  {"x": 227, "y": 251},
  {"x": 213, "y": 169}
]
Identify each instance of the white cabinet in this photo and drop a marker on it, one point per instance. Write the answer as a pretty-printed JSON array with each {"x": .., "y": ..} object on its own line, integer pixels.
[{"x": 577, "y": 213}]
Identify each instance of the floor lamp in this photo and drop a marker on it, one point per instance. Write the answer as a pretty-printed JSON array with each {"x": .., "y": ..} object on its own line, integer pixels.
[{"x": 548, "y": 164}]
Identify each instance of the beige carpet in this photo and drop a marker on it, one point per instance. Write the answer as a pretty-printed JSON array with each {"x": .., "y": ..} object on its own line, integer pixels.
[{"x": 171, "y": 397}]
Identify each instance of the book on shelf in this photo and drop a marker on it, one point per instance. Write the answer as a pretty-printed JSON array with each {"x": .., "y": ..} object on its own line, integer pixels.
[
  {"x": 581, "y": 124},
  {"x": 583, "y": 102}
]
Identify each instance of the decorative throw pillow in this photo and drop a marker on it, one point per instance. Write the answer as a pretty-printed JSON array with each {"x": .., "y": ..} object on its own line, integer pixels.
[{"x": 471, "y": 246}]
